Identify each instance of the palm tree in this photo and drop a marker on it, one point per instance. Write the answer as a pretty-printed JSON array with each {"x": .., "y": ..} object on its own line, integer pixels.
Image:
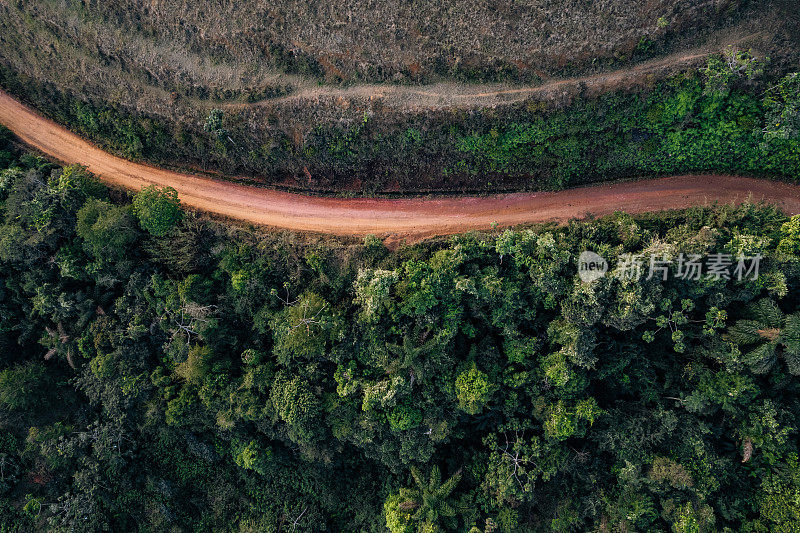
[
  {"x": 414, "y": 354},
  {"x": 430, "y": 498},
  {"x": 771, "y": 335}
]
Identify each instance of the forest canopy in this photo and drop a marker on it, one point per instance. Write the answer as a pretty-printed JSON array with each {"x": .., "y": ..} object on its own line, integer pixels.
[{"x": 170, "y": 373}]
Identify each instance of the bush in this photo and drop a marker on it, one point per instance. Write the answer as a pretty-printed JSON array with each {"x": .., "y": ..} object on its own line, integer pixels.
[{"x": 158, "y": 210}]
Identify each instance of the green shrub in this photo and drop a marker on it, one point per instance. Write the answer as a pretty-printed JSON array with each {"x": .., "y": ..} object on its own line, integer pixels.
[{"x": 158, "y": 210}]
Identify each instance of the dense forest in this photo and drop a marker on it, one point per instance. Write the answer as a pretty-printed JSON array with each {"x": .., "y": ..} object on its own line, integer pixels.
[{"x": 164, "y": 372}]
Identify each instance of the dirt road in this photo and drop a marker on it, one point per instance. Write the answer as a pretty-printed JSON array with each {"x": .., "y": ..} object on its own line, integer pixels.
[
  {"x": 412, "y": 219},
  {"x": 464, "y": 95},
  {"x": 482, "y": 95}
]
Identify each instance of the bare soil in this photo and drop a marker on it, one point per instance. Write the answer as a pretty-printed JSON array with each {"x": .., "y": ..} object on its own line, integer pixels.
[
  {"x": 396, "y": 219},
  {"x": 464, "y": 95}
]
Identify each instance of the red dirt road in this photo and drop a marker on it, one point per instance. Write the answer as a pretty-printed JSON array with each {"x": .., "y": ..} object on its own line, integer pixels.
[{"x": 411, "y": 219}]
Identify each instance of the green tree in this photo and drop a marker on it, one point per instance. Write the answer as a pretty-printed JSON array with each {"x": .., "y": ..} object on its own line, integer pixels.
[
  {"x": 404, "y": 416},
  {"x": 196, "y": 365},
  {"x": 517, "y": 463},
  {"x": 779, "y": 499},
  {"x": 429, "y": 501},
  {"x": 296, "y": 405},
  {"x": 397, "y": 511},
  {"x": 304, "y": 328},
  {"x": 23, "y": 386},
  {"x": 472, "y": 390},
  {"x": 107, "y": 230},
  {"x": 769, "y": 335},
  {"x": 158, "y": 210},
  {"x": 722, "y": 71},
  {"x": 251, "y": 456},
  {"x": 790, "y": 236},
  {"x": 215, "y": 125},
  {"x": 373, "y": 289},
  {"x": 782, "y": 103}
]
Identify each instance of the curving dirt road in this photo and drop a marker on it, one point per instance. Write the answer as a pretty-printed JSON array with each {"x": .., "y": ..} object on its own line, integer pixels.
[{"x": 411, "y": 219}]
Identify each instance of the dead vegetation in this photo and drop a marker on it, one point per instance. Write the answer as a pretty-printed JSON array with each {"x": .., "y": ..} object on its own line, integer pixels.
[
  {"x": 378, "y": 40},
  {"x": 251, "y": 50}
]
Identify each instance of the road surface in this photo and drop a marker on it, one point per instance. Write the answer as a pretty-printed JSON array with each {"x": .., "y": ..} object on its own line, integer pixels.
[{"x": 411, "y": 218}]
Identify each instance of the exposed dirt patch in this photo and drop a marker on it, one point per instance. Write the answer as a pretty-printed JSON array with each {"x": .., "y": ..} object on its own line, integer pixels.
[{"x": 464, "y": 96}]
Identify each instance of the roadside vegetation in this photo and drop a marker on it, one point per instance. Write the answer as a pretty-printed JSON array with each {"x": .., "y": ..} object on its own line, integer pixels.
[
  {"x": 161, "y": 372},
  {"x": 729, "y": 117}
]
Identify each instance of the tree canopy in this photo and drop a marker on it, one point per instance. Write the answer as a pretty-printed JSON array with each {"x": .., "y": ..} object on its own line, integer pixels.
[
  {"x": 196, "y": 376},
  {"x": 158, "y": 210}
]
